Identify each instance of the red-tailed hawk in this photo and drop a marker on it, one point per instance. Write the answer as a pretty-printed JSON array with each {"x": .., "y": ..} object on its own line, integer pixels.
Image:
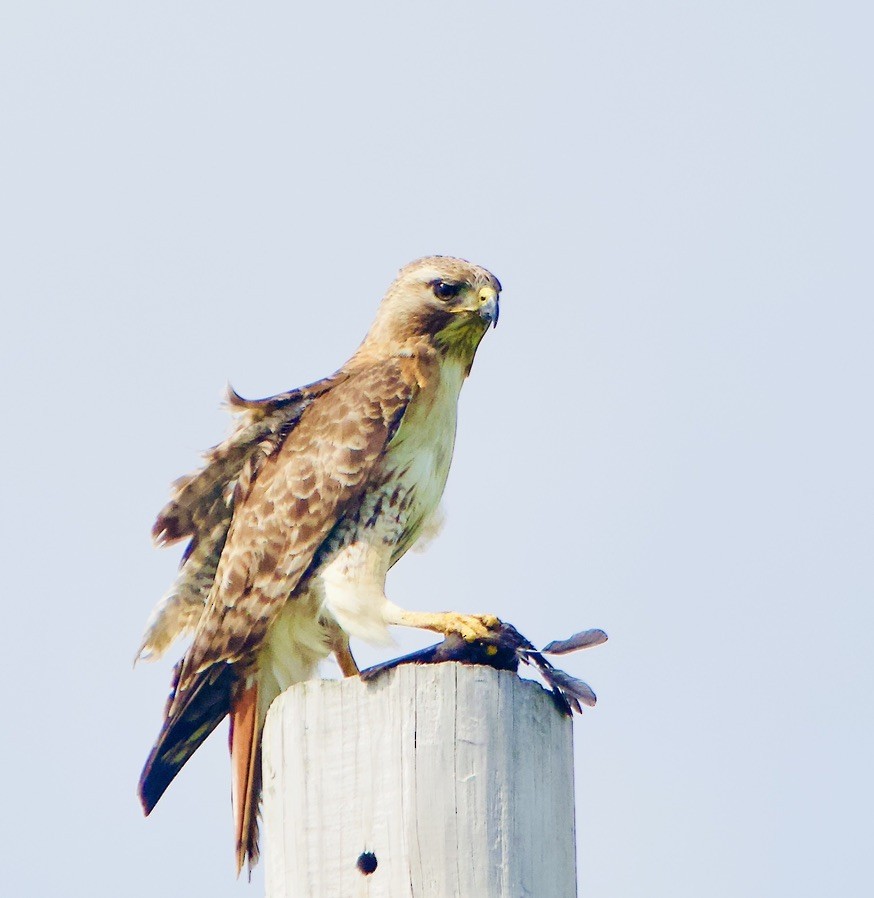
[{"x": 295, "y": 520}]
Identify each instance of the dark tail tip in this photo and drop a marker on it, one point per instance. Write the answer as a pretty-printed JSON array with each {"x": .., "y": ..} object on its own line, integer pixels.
[{"x": 191, "y": 717}]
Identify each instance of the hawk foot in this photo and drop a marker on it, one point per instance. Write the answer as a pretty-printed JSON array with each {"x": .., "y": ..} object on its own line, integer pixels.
[{"x": 469, "y": 627}]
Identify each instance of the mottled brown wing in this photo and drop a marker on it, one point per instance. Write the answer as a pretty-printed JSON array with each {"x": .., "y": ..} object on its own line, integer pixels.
[
  {"x": 198, "y": 497},
  {"x": 299, "y": 493},
  {"x": 202, "y": 503}
]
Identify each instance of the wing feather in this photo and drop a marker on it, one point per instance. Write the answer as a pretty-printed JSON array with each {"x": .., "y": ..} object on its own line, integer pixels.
[{"x": 201, "y": 505}]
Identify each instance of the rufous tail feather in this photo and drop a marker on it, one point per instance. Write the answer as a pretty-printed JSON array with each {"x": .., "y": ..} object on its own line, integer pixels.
[{"x": 245, "y": 744}]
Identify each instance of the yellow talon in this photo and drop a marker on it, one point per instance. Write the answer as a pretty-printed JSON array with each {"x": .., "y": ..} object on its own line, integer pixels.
[{"x": 470, "y": 627}]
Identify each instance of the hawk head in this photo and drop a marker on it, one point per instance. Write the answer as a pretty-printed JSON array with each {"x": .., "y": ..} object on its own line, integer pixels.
[{"x": 448, "y": 301}]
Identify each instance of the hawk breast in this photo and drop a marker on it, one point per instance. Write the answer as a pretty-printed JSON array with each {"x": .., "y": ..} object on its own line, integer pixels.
[{"x": 418, "y": 459}]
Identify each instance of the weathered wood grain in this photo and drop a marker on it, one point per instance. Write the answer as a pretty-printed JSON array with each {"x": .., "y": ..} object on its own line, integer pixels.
[{"x": 458, "y": 779}]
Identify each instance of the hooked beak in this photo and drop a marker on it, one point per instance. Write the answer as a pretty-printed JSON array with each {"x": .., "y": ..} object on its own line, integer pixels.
[{"x": 489, "y": 310}]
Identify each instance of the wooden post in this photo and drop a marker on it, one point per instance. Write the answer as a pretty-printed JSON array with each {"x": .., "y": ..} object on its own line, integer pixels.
[{"x": 433, "y": 781}]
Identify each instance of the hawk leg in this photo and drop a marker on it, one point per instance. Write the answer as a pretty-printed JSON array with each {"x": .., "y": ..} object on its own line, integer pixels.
[
  {"x": 343, "y": 656},
  {"x": 469, "y": 627}
]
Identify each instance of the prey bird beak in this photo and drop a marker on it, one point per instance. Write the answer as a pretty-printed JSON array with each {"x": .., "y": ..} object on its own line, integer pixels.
[{"x": 489, "y": 309}]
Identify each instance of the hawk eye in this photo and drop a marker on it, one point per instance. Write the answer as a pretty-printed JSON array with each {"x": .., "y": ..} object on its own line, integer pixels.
[{"x": 444, "y": 290}]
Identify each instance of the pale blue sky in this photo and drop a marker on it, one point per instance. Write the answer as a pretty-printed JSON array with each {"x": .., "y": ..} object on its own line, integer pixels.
[{"x": 669, "y": 436}]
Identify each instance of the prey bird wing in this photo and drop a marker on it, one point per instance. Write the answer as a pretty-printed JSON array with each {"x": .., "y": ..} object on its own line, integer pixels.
[{"x": 585, "y": 639}]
